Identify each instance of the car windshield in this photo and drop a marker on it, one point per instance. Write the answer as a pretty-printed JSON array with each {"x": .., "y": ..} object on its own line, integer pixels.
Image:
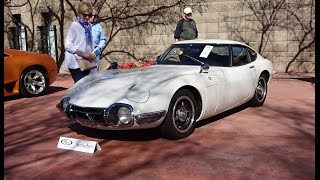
[{"x": 196, "y": 54}]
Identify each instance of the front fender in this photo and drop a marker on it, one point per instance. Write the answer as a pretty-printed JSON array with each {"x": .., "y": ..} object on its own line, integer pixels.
[{"x": 162, "y": 93}]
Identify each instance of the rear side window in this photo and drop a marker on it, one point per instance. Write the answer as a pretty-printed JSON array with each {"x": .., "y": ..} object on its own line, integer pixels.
[
  {"x": 252, "y": 54},
  {"x": 240, "y": 56},
  {"x": 219, "y": 56}
]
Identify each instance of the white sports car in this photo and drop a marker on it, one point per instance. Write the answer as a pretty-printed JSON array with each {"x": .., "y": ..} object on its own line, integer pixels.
[{"x": 192, "y": 80}]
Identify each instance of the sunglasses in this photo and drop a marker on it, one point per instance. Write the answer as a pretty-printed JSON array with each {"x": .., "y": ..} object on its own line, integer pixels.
[
  {"x": 189, "y": 14},
  {"x": 85, "y": 15}
]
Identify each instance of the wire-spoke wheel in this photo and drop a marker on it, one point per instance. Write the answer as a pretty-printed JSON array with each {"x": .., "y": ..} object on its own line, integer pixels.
[
  {"x": 33, "y": 82},
  {"x": 260, "y": 92},
  {"x": 180, "y": 120}
]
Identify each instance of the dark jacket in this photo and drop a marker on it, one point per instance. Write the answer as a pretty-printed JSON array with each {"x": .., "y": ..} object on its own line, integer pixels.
[{"x": 186, "y": 30}]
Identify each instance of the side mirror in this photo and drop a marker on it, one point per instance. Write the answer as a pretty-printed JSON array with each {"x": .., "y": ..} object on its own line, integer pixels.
[
  {"x": 204, "y": 68},
  {"x": 156, "y": 61}
]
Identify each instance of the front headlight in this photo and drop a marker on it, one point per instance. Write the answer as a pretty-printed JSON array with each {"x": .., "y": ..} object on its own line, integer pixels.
[
  {"x": 120, "y": 113},
  {"x": 63, "y": 104},
  {"x": 124, "y": 115},
  {"x": 65, "y": 107}
]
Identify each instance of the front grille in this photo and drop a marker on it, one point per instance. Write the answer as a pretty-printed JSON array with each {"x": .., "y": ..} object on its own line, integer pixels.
[
  {"x": 89, "y": 114},
  {"x": 93, "y": 117}
]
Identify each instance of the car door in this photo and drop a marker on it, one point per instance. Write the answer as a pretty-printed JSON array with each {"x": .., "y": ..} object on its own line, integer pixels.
[
  {"x": 240, "y": 78},
  {"x": 214, "y": 80},
  {"x": 217, "y": 59}
]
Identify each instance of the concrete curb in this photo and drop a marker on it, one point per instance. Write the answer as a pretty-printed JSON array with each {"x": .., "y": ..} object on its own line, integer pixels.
[{"x": 293, "y": 75}]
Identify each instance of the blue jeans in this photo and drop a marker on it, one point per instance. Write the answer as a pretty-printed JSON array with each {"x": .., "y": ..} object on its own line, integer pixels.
[{"x": 77, "y": 74}]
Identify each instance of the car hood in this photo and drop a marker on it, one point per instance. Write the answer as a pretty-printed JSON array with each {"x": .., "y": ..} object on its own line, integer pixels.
[{"x": 113, "y": 86}]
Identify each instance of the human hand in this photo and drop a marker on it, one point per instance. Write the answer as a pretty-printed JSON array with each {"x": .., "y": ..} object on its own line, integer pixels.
[{"x": 88, "y": 57}]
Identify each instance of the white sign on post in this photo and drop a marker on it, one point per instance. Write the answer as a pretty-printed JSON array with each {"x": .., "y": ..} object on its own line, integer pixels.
[{"x": 78, "y": 145}]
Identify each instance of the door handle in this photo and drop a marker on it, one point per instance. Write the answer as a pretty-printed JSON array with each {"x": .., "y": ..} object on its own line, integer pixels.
[{"x": 251, "y": 67}]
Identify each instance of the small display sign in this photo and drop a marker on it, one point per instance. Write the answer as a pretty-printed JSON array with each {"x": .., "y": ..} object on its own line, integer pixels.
[{"x": 78, "y": 145}]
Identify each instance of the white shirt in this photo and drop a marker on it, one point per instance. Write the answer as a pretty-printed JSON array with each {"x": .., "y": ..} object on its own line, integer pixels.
[{"x": 75, "y": 39}]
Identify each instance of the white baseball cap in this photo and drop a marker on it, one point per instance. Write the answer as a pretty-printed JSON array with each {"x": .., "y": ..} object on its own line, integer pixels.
[{"x": 187, "y": 10}]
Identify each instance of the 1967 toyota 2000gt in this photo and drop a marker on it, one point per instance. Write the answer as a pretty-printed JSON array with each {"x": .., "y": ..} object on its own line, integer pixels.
[{"x": 192, "y": 80}]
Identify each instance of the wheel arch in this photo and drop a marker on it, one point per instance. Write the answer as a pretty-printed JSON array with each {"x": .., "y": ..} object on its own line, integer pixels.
[
  {"x": 197, "y": 97},
  {"x": 267, "y": 74}
]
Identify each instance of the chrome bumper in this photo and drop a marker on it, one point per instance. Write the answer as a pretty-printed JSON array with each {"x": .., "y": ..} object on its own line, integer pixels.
[{"x": 96, "y": 118}]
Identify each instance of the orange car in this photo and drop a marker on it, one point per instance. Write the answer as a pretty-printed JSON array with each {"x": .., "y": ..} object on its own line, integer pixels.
[{"x": 27, "y": 73}]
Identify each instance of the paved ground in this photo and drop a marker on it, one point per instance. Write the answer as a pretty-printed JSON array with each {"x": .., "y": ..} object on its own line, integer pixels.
[{"x": 276, "y": 141}]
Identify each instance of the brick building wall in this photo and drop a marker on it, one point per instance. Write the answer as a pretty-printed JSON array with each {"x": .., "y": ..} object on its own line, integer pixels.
[{"x": 215, "y": 22}]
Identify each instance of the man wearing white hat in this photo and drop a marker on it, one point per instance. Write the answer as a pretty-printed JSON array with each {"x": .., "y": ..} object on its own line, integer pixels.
[{"x": 186, "y": 27}]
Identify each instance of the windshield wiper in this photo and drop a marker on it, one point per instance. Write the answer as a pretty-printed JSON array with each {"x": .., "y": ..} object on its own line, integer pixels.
[{"x": 193, "y": 59}]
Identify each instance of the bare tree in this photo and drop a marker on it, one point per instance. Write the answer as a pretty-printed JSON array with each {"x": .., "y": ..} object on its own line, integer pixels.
[
  {"x": 137, "y": 19},
  {"x": 133, "y": 18},
  {"x": 57, "y": 9},
  {"x": 266, "y": 12},
  {"x": 302, "y": 14},
  {"x": 32, "y": 6},
  {"x": 10, "y": 4},
  {"x": 295, "y": 17}
]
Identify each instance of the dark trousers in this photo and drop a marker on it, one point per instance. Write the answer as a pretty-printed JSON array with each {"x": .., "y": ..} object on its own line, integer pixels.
[{"x": 77, "y": 74}]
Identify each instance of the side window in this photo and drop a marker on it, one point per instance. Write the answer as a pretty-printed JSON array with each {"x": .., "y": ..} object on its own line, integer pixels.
[
  {"x": 252, "y": 54},
  {"x": 219, "y": 56},
  {"x": 240, "y": 56}
]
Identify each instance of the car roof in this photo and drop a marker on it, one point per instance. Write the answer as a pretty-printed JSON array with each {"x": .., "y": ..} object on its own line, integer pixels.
[{"x": 210, "y": 41}]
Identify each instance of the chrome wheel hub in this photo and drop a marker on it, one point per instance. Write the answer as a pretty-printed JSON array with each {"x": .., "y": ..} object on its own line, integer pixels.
[
  {"x": 261, "y": 89},
  {"x": 183, "y": 114},
  {"x": 34, "y": 82}
]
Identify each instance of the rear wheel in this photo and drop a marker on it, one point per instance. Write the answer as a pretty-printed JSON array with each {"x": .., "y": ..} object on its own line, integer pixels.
[
  {"x": 33, "y": 82},
  {"x": 180, "y": 120},
  {"x": 260, "y": 92}
]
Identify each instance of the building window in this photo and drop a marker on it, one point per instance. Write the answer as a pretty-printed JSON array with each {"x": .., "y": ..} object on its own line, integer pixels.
[
  {"x": 48, "y": 40},
  {"x": 18, "y": 33}
]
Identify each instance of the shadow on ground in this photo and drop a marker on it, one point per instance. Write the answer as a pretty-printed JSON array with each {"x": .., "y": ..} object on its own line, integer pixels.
[
  {"x": 222, "y": 115},
  {"x": 307, "y": 79},
  {"x": 142, "y": 134},
  {"x": 50, "y": 90}
]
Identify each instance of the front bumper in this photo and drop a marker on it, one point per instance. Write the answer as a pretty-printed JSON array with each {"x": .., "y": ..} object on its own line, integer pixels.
[{"x": 98, "y": 117}]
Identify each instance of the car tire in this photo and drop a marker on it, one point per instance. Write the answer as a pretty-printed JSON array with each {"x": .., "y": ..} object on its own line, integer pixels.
[
  {"x": 260, "y": 93},
  {"x": 33, "y": 82},
  {"x": 180, "y": 119}
]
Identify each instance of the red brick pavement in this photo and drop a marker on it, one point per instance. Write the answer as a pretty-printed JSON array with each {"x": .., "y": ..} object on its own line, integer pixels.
[{"x": 275, "y": 141}]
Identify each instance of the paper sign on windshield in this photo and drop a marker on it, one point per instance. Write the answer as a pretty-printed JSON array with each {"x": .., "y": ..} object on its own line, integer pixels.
[{"x": 206, "y": 51}]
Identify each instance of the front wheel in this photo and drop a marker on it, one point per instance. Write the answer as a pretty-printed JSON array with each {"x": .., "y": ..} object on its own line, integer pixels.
[
  {"x": 180, "y": 120},
  {"x": 33, "y": 82},
  {"x": 260, "y": 93}
]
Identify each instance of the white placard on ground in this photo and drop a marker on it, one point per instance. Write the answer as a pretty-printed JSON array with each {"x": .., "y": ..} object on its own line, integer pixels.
[{"x": 78, "y": 145}]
